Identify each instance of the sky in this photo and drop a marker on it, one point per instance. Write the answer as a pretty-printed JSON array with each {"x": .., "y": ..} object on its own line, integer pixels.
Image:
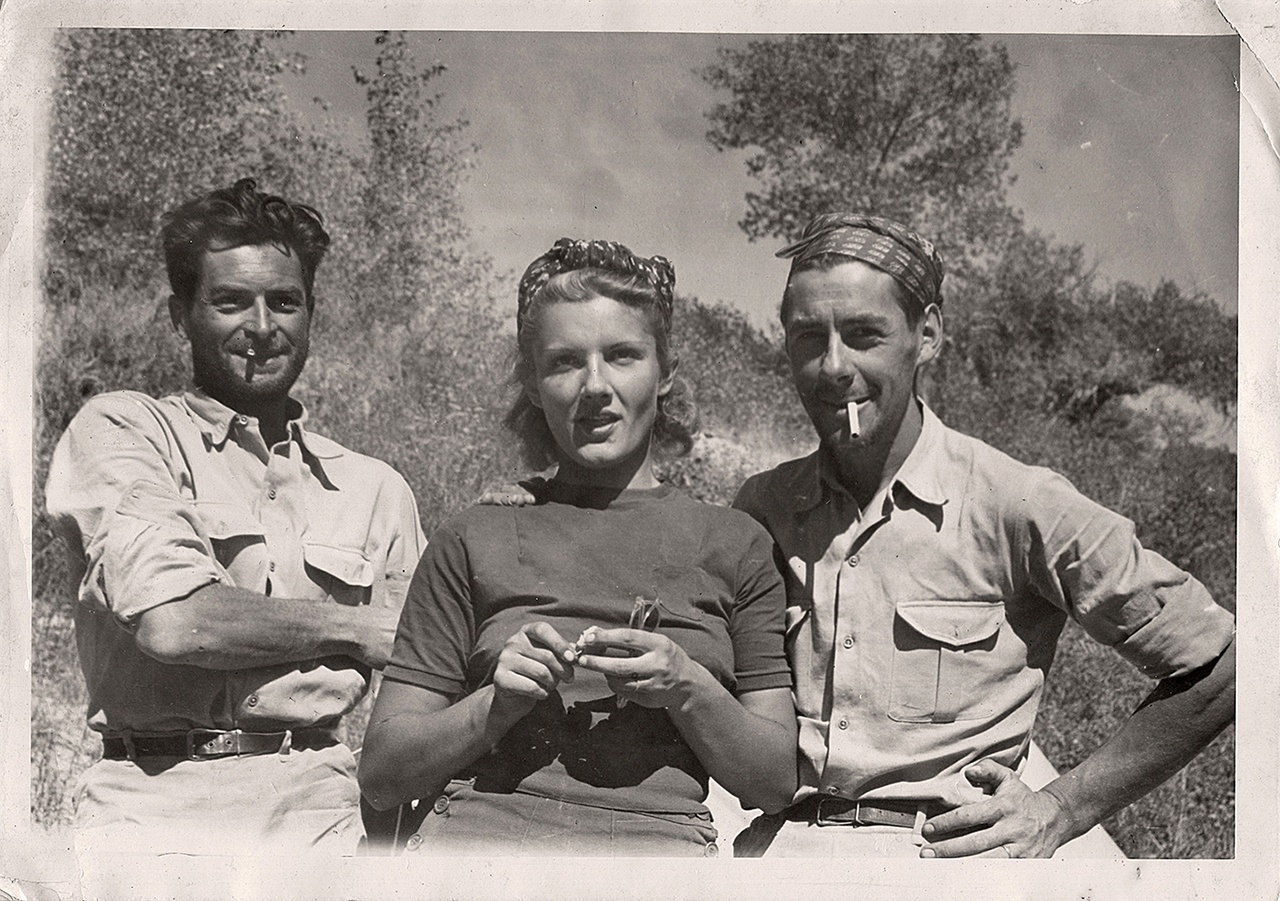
[{"x": 1130, "y": 149}]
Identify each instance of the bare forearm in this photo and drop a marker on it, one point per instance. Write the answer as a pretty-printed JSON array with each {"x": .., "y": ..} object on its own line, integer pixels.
[
  {"x": 1173, "y": 725},
  {"x": 751, "y": 755},
  {"x": 219, "y": 627},
  {"x": 412, "y": 753}
]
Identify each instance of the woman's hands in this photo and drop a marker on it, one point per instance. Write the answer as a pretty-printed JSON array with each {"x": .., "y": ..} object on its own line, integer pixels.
[
  {"x": 646, "y": 668},
  {"x": 532, "y": 663}
]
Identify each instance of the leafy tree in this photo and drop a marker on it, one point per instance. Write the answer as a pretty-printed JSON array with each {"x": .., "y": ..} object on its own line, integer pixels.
[
  {"x": 413, "y": 235},
  {"x": 1187, "y": 339},
  {"x": 915, "y": 127},
  {"x": 143, "y": 118}
]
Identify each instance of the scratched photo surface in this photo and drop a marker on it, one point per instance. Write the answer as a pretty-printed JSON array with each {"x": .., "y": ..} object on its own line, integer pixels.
[{"x": 1087, "y": 211}]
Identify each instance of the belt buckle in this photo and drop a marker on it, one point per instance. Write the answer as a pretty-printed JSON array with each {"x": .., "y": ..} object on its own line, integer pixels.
[
  {"x": 857, "y": 815},
  {"x": 823, "y": 819},
  {"x": 201, "y": 752}
]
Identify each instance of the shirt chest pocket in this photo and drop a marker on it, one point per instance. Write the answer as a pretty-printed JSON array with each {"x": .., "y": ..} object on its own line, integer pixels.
[
  {"x": 239, "y": 542},
  {"x": 944, "y": 662},
  {"x": 345, "y": 574}
]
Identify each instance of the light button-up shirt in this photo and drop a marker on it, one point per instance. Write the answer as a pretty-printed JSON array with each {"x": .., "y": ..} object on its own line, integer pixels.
[
  {"x": 920, "y": 631},
  {"x": 159, "y": 498}
]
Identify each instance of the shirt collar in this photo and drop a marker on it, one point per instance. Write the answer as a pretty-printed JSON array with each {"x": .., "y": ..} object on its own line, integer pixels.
[
  {"x": 920, "y": 474},
  {"x": 216, "y": 420}
]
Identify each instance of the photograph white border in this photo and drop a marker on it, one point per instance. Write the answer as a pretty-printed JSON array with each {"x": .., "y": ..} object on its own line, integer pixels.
[{"x": 27, "y": 853}]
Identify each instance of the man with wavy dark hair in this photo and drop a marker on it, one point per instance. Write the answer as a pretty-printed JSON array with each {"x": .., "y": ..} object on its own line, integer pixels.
[{"x": 238, "y": 577}]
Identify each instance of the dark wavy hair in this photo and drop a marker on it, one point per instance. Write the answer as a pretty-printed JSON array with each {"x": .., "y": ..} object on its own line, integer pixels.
[
  {"x": 235, "y": 217},
  {"x": 677, "y": 416}
]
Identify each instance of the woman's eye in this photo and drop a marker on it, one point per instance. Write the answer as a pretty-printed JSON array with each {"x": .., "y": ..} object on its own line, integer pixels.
[
  {"x": 626, "y": 354},
  {"x": 561, "y": 364}
]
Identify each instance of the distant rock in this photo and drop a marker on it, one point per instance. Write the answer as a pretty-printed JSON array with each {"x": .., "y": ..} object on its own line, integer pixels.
[{"x": 1168, "y": 413}]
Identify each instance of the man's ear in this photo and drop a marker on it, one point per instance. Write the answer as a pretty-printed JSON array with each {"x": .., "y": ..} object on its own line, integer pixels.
[
  {"x": 931, "y": 334},
  {"x": 178, "y": 310}
]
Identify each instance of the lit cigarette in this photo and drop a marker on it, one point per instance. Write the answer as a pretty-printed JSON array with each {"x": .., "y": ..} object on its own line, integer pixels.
[
  {"x": 251, "y": 356},
  {"x": 854, "y": 428}
]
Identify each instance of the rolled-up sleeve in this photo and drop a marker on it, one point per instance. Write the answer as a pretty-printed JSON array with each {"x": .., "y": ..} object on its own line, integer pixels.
[
  {"x": 1087, "y": 560},
  {"x": 114, "y": 499}
]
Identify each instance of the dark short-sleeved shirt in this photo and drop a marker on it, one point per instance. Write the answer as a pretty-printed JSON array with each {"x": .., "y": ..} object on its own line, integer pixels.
[
  {"x": 579, "y": 557},
  {"x": 921, "y": 629},
  {"x": 159, "y": 498}
]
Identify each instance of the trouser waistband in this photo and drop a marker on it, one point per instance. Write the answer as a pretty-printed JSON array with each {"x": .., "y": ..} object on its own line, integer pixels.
[
  {"x": 210, "y": 744},
  {"x": 825, "y": 810}
]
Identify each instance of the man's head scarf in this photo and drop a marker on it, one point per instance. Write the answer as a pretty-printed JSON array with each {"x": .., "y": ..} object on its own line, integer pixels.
[
  {"x": 892, "y": 248},
  {"x": 567, "y": 254}
]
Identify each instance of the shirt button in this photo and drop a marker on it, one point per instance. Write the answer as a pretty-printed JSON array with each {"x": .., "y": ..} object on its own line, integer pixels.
[
  {"x": 712, "y": 850},
  {"x": 414, "y": 842},
  {"x": 272, "y": 566},
  {"x": 253, "y": 700},
  {"x": 853, "y": 561},
  {"x": 441, "y": 805},
  {"x": 271, "y": 494},
  {"x": 242, "y": 420},
  {"x": 848, "y": 642},
  {"x": 844, "y": 724},
  {"x": 833, "y": 789}
]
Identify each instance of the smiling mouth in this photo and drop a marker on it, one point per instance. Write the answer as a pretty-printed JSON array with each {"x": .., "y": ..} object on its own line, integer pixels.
[
  {"x": 843, "y": 403},
  {"x": 256, "y": 358}
]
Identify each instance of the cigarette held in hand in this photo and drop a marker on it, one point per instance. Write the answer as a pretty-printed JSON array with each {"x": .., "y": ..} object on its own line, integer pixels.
[
  {"x": 854, "y": 428},
  {"x": 587, "y": 637}
]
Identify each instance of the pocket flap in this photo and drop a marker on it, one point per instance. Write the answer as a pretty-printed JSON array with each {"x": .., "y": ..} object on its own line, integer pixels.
[
  {"x": 222, "y": 520},
  {"x": 953, "y": 623},
  {"x": 346, "y": 564}
]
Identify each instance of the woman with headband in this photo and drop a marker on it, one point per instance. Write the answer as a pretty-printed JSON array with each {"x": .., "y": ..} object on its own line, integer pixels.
[{"x": 568, "y": 674}]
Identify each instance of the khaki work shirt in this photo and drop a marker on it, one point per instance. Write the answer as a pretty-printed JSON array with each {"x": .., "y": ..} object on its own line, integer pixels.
[
  {"x": 920, "y": 631},
  {"x": 159, "y": 498}
]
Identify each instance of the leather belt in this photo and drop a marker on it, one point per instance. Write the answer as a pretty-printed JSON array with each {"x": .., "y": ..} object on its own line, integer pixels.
[
  {"x": 825, "y": 810},
  {"x": 209, "y": 744}
]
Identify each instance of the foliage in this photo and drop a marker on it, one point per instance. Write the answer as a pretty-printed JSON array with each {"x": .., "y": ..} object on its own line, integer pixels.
[
  {"x": 409, "y": 357},
  {"x": 742, "y": 385},
  {"x": 1186, "y": 339},
  {"x": 208, "y": 108},
  {"x": 1034, "y": 331},
  {"x": 914, "y": 127}
]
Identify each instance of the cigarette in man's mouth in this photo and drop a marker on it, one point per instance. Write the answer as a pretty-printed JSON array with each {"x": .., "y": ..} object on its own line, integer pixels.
[
  {"x": 251, "y": 358},
  {"x": 854, "y": 428}
]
